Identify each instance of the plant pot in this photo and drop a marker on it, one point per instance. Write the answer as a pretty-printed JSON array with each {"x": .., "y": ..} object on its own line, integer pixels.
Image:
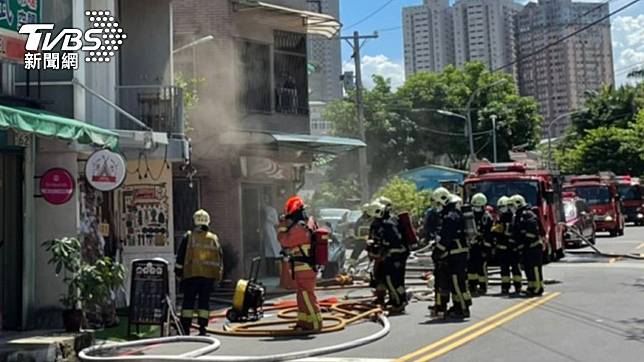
[{"x": 72, "y": 320}]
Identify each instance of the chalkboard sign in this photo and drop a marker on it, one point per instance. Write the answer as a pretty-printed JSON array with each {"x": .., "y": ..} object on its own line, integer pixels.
[{"x": 148, "y": 290}]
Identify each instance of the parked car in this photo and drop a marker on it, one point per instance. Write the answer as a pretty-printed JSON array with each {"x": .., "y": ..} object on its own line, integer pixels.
[
  {"x": 579, "y": 217},
  {"x": 332, "y": 216},
  {"x": 337, "y": 255},
  {"x": 346, "y": 227}
]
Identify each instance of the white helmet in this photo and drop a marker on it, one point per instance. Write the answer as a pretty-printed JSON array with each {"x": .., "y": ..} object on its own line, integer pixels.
[
  {"x": 376, "y": 210},
  {"x": 455, "y": 199},
  {"x": 365, "y": 207},
  {"x": 441, "y": 196},
  {"x": 201, "y": 218},
  {"x": 502, "y": 203},
  {"x": 518, "y": 201},
  {"x": 385, "y": 201},
  {"x": 479, "y": 200}
]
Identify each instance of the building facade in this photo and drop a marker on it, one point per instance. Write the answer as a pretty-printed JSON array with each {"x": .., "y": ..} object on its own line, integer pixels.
[
  {"x": 251, "y": 142},
  {"x": 66, "y": 115},
  {"x": 558, "y": 77},
  {"x": 437, "y": 34}
]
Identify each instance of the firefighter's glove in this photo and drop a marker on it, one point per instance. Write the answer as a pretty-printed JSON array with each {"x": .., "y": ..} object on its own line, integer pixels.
[{"x": 498, "y": 228}]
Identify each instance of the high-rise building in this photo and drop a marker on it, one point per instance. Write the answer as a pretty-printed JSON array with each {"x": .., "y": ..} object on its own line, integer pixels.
[
  {"x": 325, "y": 68},
  {"x": 437, "y": 34},
  {"x": 427, "y": 36},
  {"x": 558, "y": 76}
]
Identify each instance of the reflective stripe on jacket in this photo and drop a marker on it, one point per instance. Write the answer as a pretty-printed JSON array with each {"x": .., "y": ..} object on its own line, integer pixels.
[
  {"x": 296, "y": 241},
  {"x": 204, "y": 257}
]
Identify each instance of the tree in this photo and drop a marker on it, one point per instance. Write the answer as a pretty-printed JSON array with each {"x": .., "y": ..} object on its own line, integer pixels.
[
  {"x": 406, "y": 197},
  {"x": 606, "y": 134}
]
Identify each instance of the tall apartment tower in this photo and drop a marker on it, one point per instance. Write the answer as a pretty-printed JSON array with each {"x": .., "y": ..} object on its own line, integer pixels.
[
  {"x": 437, "y": 34},
  {"x": 558, "y": 76},
  {"x": 325, "y": 58},
  {"x": 428, "y": 37}
]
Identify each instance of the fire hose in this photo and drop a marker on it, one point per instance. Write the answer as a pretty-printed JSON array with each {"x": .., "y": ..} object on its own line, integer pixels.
[
  {"x": 608, "y": 255},
  {"x": 97, "y": 353}
]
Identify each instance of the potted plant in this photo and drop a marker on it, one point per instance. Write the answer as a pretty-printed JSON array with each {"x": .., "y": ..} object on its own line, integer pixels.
[{"x": 87, "y": 284}]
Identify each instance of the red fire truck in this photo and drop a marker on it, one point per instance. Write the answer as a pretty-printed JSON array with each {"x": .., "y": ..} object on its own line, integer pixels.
[
  {"x": 630, "y": 191},
  {"x": 600, "y": 193},
  {"x": 541, "y": 189}
]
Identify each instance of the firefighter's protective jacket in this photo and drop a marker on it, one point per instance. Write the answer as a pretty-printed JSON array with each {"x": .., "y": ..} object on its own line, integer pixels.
[
  {"x": 526, "y": 229},
  {"x": 200, "y": 255},
  {"x": 484, "y": 223},
  {"x": 295, "y": 239},
  {"x": 502, "y": 231},
  {"x": 387, "y": 237},
  {"x": 432, "y": 224},
  {"x": 451, "y": 241}
]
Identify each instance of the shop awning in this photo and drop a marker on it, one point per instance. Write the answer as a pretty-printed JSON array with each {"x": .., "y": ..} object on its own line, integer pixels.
[
  {"x": 304, "y": 142},
  {"x": 47, "y": 124},
  {"x": 314, "y": 23}
]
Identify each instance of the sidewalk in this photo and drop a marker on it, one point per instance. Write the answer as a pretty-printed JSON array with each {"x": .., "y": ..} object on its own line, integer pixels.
[{"x": 43, "y": 345}]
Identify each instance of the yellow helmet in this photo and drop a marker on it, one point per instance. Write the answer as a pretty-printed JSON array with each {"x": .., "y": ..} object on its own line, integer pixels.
[
  {"x": 201, "y": 218},
  {"x": 502, "y": 203},
  {"x": 479, "y": 200},
  {"x": 518, "y": 201},
  {"x": 441, "y": 196},
  {"x": 376, "y": 209}
]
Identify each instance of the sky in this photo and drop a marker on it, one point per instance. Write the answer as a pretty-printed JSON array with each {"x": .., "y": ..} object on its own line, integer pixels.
[{"x": 384, "y": 55}]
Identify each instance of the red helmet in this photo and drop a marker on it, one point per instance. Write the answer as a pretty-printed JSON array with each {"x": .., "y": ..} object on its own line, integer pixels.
[{"x": 293, "y": 204}]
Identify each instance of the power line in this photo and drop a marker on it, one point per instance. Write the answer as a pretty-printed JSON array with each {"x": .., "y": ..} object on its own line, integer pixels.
[
  {"x": 369, "y": 16},
  {"x": 562, "y": 39}
]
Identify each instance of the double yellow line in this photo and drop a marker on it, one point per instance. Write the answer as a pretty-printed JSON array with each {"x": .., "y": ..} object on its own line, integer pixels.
[{"x": 463, "y": 336}]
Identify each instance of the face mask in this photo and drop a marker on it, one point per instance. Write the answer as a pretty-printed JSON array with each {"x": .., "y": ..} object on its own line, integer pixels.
[
  {"x": 439, "y": 208},
  {"x": 477, "y": 208}
]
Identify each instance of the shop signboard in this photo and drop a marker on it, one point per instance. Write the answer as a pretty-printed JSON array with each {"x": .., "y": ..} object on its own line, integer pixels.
[
  {"x": 13, "y": 15},
  {"x": 149, "y": 288},
  {"x": 105, "y": 170},
  {"x": 57, "y": 186}
]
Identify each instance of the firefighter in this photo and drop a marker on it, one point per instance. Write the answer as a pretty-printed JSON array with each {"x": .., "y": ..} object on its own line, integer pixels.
[
  {"x": 360, "y": 234},
  {"x": 295, "y": 233},
  {"x": 452, "y": 250},
  {"x": 506, "y": 248},
  {"x": 432, "y": 228},
  {"x": 526, "y": 233},
  {"x": 386, "y": 237},
  {"x": 199, "y": 265},
  {"x": 431, "y": 224},
  {"x": 480, "y": 247},
  {"x": 376, "y": 255}
]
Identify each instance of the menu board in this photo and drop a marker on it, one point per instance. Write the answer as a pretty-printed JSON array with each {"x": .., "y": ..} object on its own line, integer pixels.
[{"x": 148, "y": 291}]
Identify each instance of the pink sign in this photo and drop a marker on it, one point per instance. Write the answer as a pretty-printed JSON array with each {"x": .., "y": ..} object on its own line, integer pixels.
[{"x": 57, "y": 186}]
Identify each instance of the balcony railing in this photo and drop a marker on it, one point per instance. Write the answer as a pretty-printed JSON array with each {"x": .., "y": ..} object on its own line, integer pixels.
[{"x": 159, "y": 107}]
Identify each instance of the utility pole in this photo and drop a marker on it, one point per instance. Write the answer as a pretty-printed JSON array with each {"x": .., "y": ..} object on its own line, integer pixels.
[
  {"x": 354, "y": 42},
  {"x": 493, "y": 117}
]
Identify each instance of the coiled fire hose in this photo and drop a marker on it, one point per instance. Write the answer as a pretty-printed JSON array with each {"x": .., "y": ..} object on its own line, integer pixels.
[
  {"x": 110, "y": 352},
  {"x": 608, "y": 255}
]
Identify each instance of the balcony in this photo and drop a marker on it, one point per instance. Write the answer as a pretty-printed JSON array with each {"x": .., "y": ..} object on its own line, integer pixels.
[
  {"x": 159, "y": 107},
  {"x": 288, "y": 102}
]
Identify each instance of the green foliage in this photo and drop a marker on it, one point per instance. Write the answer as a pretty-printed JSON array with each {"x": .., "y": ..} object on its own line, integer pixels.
[
  {"x": 404, "y": 131},
  {"x": 607, "y": 134},
  {"x": 87, "y": 285},
  {"x": 189, "y": 88},
  {"x": 342, "y": 194},
  {"x": 405, "y": 197}
]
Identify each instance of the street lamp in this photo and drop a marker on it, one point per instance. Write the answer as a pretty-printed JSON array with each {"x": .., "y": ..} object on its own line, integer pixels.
[
  {"x": 193, "y": 43},
  {"x": 549, "y": 128},
  {"x": 467, "y": 116}
]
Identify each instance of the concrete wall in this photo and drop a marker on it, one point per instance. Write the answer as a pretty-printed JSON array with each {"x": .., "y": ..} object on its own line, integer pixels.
[
  {"x": 52, "y": 221},
  {"x": 144, "y": 57}
]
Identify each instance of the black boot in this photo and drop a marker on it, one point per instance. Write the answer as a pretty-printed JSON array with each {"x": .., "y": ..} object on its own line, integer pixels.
[
  {"x": 482, "y": 289},
  {"x": 185, "y": 325},
  {"x": 203, "y": 323},
  {"x": 517, "y": 287}
]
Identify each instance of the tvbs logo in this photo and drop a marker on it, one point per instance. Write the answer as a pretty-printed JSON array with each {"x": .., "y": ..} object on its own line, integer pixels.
[{"x": 100, "y": 42}]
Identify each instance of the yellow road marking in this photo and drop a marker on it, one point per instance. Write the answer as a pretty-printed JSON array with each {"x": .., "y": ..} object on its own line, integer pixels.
[
  {"x": 462, "y": 332},
  {"x": 535, "y": 303},
  {"x": 640, "y": 246}
]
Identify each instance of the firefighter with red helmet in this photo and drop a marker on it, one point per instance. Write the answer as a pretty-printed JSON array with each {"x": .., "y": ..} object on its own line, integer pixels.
[
  {"x": 199, "y": 265},
  {"x": 295, "y": 234}
]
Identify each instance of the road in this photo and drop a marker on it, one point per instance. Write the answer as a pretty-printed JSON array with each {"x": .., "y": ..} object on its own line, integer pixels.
[{"x": 593, "y": 311}]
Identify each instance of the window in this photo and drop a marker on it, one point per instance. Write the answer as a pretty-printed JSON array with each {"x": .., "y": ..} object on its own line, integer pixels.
[
  {"x": 255, "y": 76},
  {"x": 291, "y": 87}
]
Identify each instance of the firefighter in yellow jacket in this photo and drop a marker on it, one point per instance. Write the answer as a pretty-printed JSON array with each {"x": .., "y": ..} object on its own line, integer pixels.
[{"x": 199, "y": 266}]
